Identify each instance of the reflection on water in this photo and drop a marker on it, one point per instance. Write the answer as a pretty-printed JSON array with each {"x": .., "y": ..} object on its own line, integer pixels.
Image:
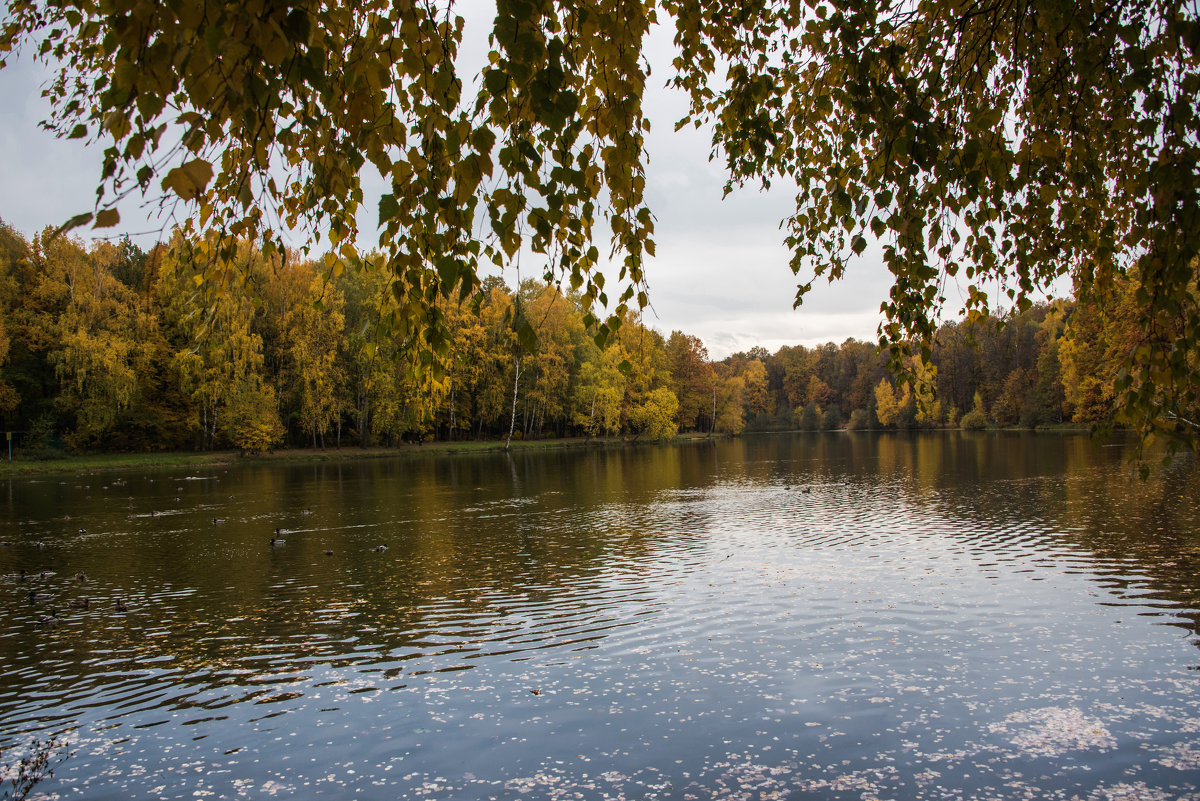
[{"x": 820, "y": 616}]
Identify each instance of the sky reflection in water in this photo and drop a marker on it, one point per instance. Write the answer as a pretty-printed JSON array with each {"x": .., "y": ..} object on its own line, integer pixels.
[{"x": 824, "y": 616}]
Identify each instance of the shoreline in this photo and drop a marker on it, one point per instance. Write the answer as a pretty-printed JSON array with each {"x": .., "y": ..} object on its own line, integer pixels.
[
  {"x": 108, "y": 462},
  {"x": 115, "y": 462}
]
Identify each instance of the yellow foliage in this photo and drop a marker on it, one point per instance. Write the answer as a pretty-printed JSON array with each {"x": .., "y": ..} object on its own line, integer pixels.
[
  {"x": 655, "y": 418},
  {"x": 887, "y": 406},
  {"x": 731, "y": 405}
]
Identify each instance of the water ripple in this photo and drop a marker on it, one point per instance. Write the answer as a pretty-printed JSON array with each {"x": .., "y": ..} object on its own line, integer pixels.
[{"x": 682, "y": 623}]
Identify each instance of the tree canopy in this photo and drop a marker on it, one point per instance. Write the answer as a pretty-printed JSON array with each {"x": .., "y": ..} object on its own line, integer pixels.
[
  {"x": 1002, "y": 144},
  {"x": 107, "y": 347}
]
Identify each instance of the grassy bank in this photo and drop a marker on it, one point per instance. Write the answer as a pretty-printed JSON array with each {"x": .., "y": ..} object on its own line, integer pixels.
[
  {"x": 110, "y": 461},
  {"x": 91, "y": 463}
]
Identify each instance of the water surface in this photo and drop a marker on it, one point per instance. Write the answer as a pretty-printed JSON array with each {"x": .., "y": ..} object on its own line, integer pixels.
[{"x": 824, "y": 616}]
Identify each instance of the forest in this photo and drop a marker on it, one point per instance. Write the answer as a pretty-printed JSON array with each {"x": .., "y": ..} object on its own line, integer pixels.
[{"x": 109, "y": 348}]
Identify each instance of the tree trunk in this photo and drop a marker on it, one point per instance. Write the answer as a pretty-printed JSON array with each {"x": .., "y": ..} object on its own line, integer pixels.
[
  {"x": 713, "y": 429},
  {"x": 362, "y": 419},
  {"x": 512, "y": 423},
  {"x": 451, "y": 433}
]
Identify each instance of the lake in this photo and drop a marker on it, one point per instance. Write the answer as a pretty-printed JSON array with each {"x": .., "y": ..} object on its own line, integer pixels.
[{"x": 853, "y": 615}]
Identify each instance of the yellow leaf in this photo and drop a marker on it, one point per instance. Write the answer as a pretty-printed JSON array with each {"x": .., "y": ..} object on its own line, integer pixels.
[{"x": 190, "y": 179}]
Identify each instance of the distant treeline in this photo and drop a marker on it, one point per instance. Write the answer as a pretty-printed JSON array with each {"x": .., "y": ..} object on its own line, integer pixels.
[{"x": 113, "y": 348}]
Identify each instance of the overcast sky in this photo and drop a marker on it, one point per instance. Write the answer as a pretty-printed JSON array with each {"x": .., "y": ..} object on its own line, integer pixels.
[{"x": 721, "y": 272}]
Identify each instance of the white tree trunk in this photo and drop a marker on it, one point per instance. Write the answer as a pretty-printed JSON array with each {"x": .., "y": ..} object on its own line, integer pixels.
[{"x": 512, "y": 423}]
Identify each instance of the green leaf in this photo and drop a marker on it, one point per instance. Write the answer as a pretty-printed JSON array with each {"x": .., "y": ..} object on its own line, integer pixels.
[
  {"x": 297, "y": 26},
  {"x": 388, "y": 208},
  {"x": 448, "y": 269},
  {"x": 483, "y": 139},
  {"x": 107, "y": 218},
  {"x": 527, "y": 336},
  {"x": 74, "y": 222},
  {"x": 495, "y": 81}
]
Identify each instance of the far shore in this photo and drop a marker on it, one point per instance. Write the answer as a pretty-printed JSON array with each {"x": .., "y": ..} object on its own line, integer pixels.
[
  {"x": 86, "y": 463},
  {"x": 103, "y": 462}
]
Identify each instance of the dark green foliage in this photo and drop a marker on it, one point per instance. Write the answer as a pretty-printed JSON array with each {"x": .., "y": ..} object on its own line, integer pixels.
[
  {"x": 860, "y": 420},
  {"x": 808, "y": 418},
  {"x": 1049, "y": 395},
  {"x": 906, "y": 418},
  {"x": 831, "y": 418},
  {"x": 973, "y": 421},
  {"x": 41, "y": 440}
]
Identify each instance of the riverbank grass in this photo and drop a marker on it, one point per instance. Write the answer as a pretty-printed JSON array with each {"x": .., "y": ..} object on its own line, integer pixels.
[{"x": 91, "y": 463}]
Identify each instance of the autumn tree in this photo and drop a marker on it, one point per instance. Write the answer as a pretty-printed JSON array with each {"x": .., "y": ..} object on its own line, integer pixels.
[
  {"x": 281, "y": 284},
  {"x": 977, "y": 418},
  {"x": 797, "y": 370},
  {"x": 646, "y": 370},
  {"x": 818, "y": 393},
  {"x": 942, "y": 130},
  {"x": 1092, "y": 352},
  {"x": 691, "y": 379},
  {"x": 956, "y": 356},
  {"x": 1015, "y": 395},
  {"x": 599, "y": 391},
  {"x": 219, "y": 362},
  {"x": 1049, "y": 392},
  {"x": 314, "y": 327},
  {"x": 926, "y": 405},
  {"x": 552, "y": 143},
  {"x": 498, "y": 367},
  {"x": 464, "y": 366},
  {"x": 9, "y": 399},
  {"x": 108, "y": 347},
  {"x": 91, "y": 330},
  {"x": 27, "y": 382},
  {"x": 754, "y": 377},
  {"x": 369, "y": 367},
  {"x": 729, "y": 402},
  {"x": 549, "y": 368},
  {"x": 890, "y": 402},
  {"x": 296, "y": 345},
  {"x": 655, "y": 417},
  {"x": 862, "y": 368},
  {"x": 908, "y": 125}
]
